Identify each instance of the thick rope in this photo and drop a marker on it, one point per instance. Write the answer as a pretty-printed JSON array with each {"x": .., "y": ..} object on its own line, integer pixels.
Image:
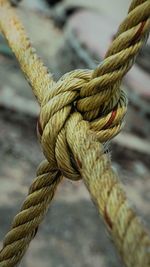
[{"x": 80, "y": 110}]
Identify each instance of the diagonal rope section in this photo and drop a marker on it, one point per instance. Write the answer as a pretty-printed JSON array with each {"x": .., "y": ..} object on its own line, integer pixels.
[{"x": 79, "y": 113}]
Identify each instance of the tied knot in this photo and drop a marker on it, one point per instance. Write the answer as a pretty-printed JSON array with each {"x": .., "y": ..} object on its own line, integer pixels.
[{"x": 78, "y": 92}]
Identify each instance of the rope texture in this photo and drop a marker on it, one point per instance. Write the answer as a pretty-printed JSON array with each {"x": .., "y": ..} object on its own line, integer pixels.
[{"x": 80, "y": 112}]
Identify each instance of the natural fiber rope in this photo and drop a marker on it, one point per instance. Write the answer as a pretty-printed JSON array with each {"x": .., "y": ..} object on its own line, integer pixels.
[{"x": 83, "y": 109}]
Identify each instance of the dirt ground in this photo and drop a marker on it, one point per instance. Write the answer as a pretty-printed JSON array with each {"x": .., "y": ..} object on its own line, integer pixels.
[{"x": 73, "y": 233}]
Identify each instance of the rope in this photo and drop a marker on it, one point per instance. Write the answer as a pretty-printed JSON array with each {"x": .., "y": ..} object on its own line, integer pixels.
[{"x": 79, "y": 113}]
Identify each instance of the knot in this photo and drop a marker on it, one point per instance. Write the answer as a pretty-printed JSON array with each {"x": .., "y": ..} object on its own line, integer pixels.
[{"x": 101, "y": 105}]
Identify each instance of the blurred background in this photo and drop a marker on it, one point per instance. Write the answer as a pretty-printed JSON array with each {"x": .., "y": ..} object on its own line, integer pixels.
[{"x": 69, "y": 34}]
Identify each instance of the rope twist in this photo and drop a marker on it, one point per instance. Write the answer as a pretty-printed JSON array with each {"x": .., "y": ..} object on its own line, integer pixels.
[{"x": 58, "y": 106}]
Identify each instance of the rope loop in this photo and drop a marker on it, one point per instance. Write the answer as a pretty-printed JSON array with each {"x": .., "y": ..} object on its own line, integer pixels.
[{"x": 66, "y": 97}]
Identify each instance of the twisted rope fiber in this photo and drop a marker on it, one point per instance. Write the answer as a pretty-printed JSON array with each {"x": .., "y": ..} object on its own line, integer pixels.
[{"x": 82, "y": 110}]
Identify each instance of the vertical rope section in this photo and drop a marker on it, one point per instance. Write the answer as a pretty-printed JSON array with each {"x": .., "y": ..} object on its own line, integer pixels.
[
  {"x": 130, "y": 237},
  {"x": 31, "y": 65}
]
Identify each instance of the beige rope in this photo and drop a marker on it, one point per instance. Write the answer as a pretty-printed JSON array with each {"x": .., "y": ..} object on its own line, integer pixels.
[{"x": 78, "y": 113}]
